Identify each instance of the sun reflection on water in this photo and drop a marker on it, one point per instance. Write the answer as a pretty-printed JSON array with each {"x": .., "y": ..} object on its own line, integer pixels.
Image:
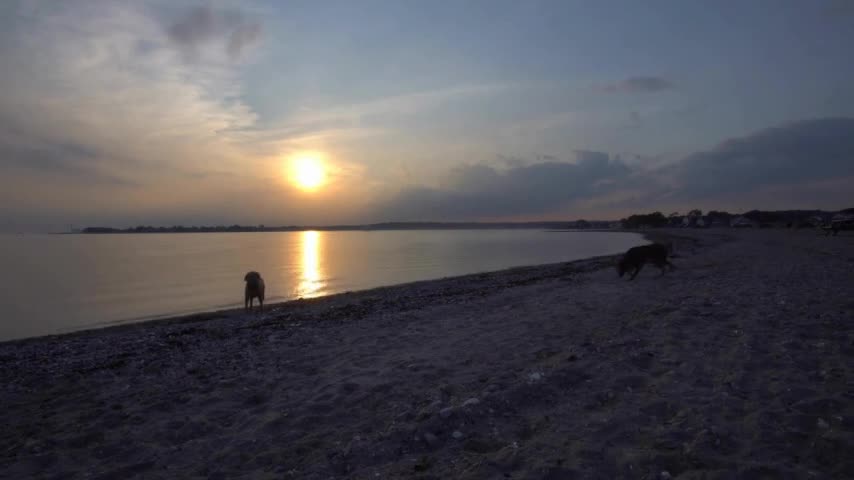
[{"x": 311, "y": 283}]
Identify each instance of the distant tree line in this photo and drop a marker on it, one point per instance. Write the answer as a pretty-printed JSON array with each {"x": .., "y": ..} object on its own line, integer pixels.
[
  {"x": 645, "y": 220},
  {"x": 180, "y": 229},
  {"x": 715, "y": 218},
  {"x": 373, "y": 226}
]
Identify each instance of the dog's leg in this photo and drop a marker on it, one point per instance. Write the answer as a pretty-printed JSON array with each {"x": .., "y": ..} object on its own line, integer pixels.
[
  {"x": 664, "y": 265},
  {"x": 635, "y": 273}
]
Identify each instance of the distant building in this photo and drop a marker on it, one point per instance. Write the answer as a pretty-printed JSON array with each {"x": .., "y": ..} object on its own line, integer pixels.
[
  {"x": 842, "y": 217},
  {"x": 693, "y": 221}
]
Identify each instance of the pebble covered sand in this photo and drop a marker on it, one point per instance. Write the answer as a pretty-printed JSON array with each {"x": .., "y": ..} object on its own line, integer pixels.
[{"x": 736, "y": 365}]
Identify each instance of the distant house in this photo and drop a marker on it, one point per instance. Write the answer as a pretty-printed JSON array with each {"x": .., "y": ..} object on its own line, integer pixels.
[
  {"x": 812, "y": 222},
  {"x": 839, "y": 222},
  {"x": 743, "y": 222},
  {"x": 842, "y": 217},
  {"x": 693, "y": 222},
  {"x": 816, "y": 221}
]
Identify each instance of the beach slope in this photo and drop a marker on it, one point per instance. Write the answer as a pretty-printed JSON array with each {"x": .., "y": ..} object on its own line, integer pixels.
[{"x": 736, "y": 365}]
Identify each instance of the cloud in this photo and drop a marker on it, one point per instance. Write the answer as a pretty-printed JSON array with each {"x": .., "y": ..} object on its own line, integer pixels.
[
  {"x": 68, "y": 160},
  {"x": 203, "y": 26},
  {"x": 405, "y": 104},
  {"x": 792, "y": 154},
  {"x": 811, "y": 159},
  {"x": 834, "y": 9},
  {"x": 482, "y": 191},
  {"x": 358, "y": 120},
  {"x": 633, "y": 85},
  {"x": 95, "y": 99}
]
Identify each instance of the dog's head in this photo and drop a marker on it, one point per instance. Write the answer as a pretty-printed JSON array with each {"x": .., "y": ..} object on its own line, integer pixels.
[{"x": 252, "y": 276}]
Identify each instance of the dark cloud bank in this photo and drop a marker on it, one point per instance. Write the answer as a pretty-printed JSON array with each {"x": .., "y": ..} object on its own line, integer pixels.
[
  {"x": 795, "y": 154},
  {"x": 481, "y": 191},
  {"x": 805, "y": 151}
]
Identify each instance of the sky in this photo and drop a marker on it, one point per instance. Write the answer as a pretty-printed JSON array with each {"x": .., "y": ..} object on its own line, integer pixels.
[{"x": 120, "y": 113}]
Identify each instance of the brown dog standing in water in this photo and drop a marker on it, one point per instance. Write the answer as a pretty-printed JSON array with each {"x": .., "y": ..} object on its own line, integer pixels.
[
  {"x": 254, "y": 289},
  {"x": 636, "y": 257}
]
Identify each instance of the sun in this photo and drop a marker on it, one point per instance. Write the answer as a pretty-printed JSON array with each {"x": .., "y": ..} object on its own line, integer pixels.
[{"x": 307, "y": 172}]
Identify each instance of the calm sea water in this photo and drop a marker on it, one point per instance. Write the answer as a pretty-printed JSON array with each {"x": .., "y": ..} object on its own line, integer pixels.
[{"x": 59, "y": 283}]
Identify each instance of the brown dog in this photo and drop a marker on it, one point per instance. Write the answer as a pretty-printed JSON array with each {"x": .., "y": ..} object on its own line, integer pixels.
[
  {"x": 254, "y": 289},
  {"x": 636, "y": 257}
]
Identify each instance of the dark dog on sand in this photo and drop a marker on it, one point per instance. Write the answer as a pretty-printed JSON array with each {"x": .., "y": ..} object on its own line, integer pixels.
[
  {"x": 254, "y": 289},
  {"x": 636, "y": 257}
]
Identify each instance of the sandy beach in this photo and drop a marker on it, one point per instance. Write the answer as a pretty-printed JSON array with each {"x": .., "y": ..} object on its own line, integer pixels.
[{"x": 736, "y": 365}]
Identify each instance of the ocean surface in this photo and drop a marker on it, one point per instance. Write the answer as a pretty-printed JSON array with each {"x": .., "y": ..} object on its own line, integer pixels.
[{"x": 60, "y": 283}]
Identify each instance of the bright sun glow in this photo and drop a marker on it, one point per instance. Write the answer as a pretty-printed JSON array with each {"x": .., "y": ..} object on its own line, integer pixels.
[{"x": 307, "y": 172}]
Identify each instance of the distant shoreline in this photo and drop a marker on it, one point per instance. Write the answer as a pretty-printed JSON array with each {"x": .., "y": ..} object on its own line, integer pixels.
[
  {"x": 714, "y": 219},
  {"x": 369, "y": 227}
]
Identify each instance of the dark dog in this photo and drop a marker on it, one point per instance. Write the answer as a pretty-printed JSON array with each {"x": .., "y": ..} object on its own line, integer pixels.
[
  {"x": 254, "y": 289},
  {"x": 636, "y": 257}
]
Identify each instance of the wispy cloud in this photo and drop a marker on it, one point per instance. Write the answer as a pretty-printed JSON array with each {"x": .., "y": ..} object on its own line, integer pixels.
[
  {"x": 97, "y": 98},
  {"x": 638, "y": 85},
  {"x": 109, "y": 78},
  {"x": 202, "y": 28},
  {"x": 407, "y": 104},
  {"x": 358, "y": 120},
  {"x": 20, "y": 152}
]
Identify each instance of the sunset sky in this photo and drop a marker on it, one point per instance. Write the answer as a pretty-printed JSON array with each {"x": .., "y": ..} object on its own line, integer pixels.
[{"x": 122, "y": 113}]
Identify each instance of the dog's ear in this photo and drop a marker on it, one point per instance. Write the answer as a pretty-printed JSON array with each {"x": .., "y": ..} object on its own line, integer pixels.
[{"x": 246, "y": 278}]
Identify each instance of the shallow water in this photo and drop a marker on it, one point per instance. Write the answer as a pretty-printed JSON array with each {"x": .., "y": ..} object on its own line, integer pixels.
[{"x": 59, "y": 283}]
